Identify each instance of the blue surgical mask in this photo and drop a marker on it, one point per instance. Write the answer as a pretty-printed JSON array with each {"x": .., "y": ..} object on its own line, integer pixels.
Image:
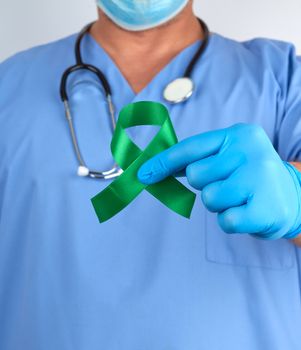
[{"x": 138, "y": 15}]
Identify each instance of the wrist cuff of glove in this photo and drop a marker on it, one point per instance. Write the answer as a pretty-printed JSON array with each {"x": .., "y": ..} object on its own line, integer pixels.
[{"x": 296, "y": 175}]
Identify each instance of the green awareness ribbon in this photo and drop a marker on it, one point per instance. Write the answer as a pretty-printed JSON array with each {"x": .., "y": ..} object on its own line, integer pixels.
[{"x": 124, "y": 189}]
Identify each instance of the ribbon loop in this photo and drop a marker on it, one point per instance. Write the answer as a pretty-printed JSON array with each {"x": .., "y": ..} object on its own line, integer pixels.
[{"x": 121, "y": 192}]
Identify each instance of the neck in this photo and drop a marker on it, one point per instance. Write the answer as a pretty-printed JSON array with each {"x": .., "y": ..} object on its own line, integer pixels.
[{"x": 157, "y": 41}]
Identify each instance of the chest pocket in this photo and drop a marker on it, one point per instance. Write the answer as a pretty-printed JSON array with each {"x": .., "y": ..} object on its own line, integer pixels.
[{"x": 244, "y": 250}]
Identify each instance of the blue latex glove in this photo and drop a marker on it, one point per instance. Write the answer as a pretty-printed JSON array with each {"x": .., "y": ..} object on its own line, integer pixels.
[{"x": 241, "y": 177}]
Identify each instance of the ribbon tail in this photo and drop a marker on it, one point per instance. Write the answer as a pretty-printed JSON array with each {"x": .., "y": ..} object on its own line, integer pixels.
[
  {"x": 174, "y": 195},
  {"x": 107, "y": 204},
  {"x": 118, "y": 195}
]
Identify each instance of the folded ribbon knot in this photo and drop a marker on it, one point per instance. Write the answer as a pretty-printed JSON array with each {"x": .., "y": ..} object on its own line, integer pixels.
[{"x": 122, "y": 191}]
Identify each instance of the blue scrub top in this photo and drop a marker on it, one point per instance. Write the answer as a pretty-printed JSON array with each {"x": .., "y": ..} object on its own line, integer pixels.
[{"x": 148, "y": 279}]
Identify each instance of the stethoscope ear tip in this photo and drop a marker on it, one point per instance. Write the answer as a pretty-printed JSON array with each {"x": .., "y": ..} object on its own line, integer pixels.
[{"x": 83, "y": 171}]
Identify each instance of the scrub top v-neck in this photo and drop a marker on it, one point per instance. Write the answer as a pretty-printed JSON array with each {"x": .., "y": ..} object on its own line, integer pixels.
[
  {"x": 148, "y": 278},
  {"x": 172, "y": 70}
]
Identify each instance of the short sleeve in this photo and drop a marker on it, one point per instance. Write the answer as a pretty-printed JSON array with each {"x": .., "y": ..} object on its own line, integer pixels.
[{"x": 289, "y": 106}]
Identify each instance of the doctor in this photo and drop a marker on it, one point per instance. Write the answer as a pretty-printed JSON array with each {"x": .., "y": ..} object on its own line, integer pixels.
[{"x": 228, "y": 278}]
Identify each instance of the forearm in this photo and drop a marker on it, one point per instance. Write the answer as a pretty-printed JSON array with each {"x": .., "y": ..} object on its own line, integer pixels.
[{"x": 297, "y": 240}]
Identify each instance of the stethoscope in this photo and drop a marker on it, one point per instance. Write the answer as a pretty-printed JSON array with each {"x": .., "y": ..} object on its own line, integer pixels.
[{"x": 177, "y": 91}]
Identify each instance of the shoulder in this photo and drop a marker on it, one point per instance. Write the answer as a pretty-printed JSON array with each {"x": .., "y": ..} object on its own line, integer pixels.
[
  {"x": 35, "y": 72},
  {"x": 271, "y": 51},
  {"x": 62, "y": 45},
  {"x": 43, "y": 56},
  {"x": 261, "y": 55},
  {"x": 264, "y": 49}
]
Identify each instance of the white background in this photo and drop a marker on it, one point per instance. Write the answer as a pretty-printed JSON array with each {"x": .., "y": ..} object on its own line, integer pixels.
[{"x": 26, "y": 23}]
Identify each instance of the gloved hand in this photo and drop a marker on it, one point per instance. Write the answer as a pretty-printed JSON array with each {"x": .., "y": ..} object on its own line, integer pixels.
[{"x": 241, "y": 177}]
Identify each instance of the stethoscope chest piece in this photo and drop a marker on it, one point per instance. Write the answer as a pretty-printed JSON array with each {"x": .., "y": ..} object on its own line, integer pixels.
[{"x": 179, "y": 90}]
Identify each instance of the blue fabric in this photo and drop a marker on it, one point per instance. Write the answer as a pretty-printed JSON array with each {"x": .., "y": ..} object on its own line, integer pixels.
[
  {"x": 140, "y": 15},
  {"x": 147, "y": 279}
]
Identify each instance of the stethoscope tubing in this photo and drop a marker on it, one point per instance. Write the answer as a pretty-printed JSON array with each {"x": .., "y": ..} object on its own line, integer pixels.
[{"x": 83, "y": 170}]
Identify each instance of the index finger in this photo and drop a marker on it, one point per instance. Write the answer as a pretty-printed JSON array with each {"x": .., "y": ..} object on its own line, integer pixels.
[{"x": 179, "y": 156}]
